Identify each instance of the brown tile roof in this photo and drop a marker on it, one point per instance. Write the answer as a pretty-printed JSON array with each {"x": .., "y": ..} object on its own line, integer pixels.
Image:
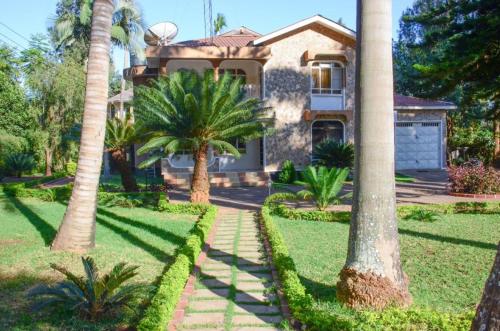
[
  {"x": 402, "y": 101},
  {"x": 234, "y": 38}
]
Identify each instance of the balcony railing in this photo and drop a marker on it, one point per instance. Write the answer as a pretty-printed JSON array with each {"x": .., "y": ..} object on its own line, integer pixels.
[{"x": 326, "y": 102}]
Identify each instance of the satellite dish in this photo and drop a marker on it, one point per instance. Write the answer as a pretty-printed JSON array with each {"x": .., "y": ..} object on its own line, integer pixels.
[{"x": 160, "y": 34}]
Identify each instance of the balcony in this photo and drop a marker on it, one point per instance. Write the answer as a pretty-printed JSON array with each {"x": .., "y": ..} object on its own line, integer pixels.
[{"x": 327, "y": 101}]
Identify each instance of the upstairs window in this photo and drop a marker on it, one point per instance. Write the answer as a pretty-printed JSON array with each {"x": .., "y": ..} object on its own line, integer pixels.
[
  {"x": 327, "y": 78},
  {"x": 235, "y": 73}
]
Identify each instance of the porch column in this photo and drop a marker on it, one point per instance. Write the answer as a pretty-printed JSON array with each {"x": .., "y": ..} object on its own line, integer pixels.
[{"x": 215, "y": 65}]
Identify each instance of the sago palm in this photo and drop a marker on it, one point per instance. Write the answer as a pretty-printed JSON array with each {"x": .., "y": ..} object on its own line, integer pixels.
[
  {"x": 120, "y": 135},
  {"x": 330, "y": 153},
  {"x": 92, "y": 296},
  {"x": 188, "y": 112},
  {"x": 322, "y": 185}
]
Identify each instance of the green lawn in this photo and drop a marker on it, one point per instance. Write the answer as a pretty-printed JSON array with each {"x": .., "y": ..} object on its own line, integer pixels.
[
  {"x": 138, "y": 236},
  {"x": 447, "y": 261}
]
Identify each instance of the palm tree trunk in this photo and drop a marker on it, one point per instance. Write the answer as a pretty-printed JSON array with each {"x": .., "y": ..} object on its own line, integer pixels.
[
  {"x": 128, "y": 180},
  {"x": 200, "y": 186},
  {"x": 372, "y": 276},
  {"x": 488, "y": 311},
  {"x": 48, "y": 161},
  {"x": 77, "y": 230}
]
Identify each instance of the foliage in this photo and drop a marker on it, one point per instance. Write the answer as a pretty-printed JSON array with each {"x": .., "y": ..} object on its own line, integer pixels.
[
  {"x": 17, "y": 164},
  {"x": 71, "y": 29},
  {"x": 71, "y": 168},
  {"x": 327, "y": 316},
  {"x": 422, "y": 215},
  {"x": 330, "y": 153},
  {"x": 474, "y": 142},
  {"x": 323, "y": 185},
  {"x": 187, "y": 112},
  {"x": 172, "y": 283},
  {"x": 288, "y": 174},
  {"x": 92, "y": 296},
  {"x": 219, "y": 23},
  {"x": 129, "y": 199},
  {"x": 474, "y": 178}
]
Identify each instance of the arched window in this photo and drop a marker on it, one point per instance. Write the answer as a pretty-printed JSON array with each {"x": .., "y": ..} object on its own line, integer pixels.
[
  {"x": 327, "y": 78},
  {"x": 327, "y": 130},
  {"x": 235, "y": 73}
]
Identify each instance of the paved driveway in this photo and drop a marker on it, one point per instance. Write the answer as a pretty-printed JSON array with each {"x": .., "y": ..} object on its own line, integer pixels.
[{"x": 430, "y": 187}]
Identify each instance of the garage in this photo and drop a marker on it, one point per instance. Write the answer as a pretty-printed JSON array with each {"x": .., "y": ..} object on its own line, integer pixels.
[{"x": 418, "y": 145}]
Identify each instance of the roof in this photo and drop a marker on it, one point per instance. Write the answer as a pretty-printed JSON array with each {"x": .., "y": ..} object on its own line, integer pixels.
[
  {"x": 128, "y": 95},
  {"x": 314, "y": 19},
  {"x": 405, "y": 102},
  {"x": 235, "y": 38}
]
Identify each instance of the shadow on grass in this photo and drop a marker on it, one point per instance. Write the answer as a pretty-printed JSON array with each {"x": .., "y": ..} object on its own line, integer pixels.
[
  {"x": 46, "y": 230},
  {"x": 451, "y": 240},
  {"x": 154, "y": 230}
]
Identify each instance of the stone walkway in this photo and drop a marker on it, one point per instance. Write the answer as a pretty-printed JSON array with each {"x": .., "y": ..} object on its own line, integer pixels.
[{"x": 233, "y": 288}]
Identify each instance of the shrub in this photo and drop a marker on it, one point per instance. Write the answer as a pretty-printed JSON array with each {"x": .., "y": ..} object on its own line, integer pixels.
[
  {"x": 172, "y": 283},
  {"x": 71, "y": 168},
  {"x": 18, "y": 163},
  {"x": 474, "y": 178},
  {"x": 330, "y": 153},
  {"x": 288, "y": 173},
  {"x": 92, "y": 295},
  {"x": 422, "y": 215}
]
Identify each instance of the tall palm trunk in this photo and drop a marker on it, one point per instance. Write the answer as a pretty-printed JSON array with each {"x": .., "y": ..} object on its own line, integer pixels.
[
  {"x": 200, "y": 186},
  {"x": 77, "y": 230},
  {"x": 372, "y": 275},
  {"x": 488, "y": 311},
  {"x": 128, "y": 180}
]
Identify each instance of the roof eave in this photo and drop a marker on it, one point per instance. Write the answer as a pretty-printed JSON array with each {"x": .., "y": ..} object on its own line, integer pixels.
[{"x": 447, "y": 107}]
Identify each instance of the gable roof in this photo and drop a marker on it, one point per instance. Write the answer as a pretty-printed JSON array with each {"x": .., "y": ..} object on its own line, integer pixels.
[
  {"x": 240, "y": 37},
  {"x": 314, "y": 19},
  {"x": 412, "y": 103}
]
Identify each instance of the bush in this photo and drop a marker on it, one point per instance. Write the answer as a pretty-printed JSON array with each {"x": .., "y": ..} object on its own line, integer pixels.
[
  {"x": 474, "y": 178},
  {"x": 71, "y": 168},
  {"x": 422, "y": 215},
  {"x": 288, "y": 173},
  {"x": 17, "y": 164},
  {"x": 172, "y": 283},
  {"x": 330, "y": 153}
]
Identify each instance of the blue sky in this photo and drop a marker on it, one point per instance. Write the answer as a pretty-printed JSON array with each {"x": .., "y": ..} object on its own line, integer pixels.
[{"x": 27, "y": 17}]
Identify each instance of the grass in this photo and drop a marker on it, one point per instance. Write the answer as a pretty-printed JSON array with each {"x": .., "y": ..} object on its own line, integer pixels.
[
  {"x": 138, "y": 236},
  {"x": 115, "y": 180},
  {"x": 447, "y": 261},
  {"x": 403, "y": 178}
]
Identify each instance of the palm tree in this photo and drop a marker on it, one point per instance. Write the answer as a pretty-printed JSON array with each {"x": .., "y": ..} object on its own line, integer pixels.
[
  {"x": 188, "y": 112},
  {"x": 120, "y": 135},
  {"x": 72, "y": 25},
  {"x": 219, "y": 23},
  {"x": 372, "y": 275},
  {"x": 77, "y": 230}
]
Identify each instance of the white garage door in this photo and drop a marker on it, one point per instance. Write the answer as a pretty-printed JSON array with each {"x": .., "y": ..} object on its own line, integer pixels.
[{"x": 418, "y": 145}]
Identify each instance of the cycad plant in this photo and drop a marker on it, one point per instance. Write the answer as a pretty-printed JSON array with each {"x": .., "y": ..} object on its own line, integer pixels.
[
  {"x": 323, "y": 185},
  {"x": 330, "y": 153},
  {"x": 186, "y": 111},
  {"x": 18, "y": 163},
  {"x": 120, "y": 135},
  {"x": 92, "y": 296}
]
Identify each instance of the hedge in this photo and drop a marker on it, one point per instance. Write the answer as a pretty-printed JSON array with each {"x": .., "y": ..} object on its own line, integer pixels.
[
  {"x": 302, "y": 306},
  {"x": 162, "y": 307}
]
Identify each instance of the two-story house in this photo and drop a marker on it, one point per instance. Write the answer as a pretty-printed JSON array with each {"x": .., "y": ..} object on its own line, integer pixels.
[{"x": 305, "y": 72}]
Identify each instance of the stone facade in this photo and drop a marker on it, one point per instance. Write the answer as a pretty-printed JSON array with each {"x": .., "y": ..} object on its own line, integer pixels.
[{"x": 287, "y": 81}]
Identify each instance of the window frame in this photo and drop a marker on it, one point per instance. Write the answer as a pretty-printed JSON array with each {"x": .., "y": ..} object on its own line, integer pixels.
[{"x": 330, "y": 91}]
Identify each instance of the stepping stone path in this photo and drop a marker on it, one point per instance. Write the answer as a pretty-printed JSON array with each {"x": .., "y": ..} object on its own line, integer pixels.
[{"x": 234, "y": 288}]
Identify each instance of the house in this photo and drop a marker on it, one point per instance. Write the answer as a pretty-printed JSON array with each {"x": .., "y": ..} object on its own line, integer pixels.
[{"x": 305, "y": 72}]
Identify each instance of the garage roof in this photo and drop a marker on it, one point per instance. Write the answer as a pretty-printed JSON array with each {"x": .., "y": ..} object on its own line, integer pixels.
[{"x": 405, "y": 102}]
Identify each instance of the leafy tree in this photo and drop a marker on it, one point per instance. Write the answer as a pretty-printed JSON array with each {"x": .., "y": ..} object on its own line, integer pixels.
[
  {"x": 322, "y": 185},
  {"x": 464, "y": 45},
  {"x": 77, "y": 229},
  {"x": 120, "y": 135},
  {"x": 92, "y": 296},
  {"x": 56, "y": 91},
  {"x": 219, "y": 23},
  {"x": 187, "y": 112}
]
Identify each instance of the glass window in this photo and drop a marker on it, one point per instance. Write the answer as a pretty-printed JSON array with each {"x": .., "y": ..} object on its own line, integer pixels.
[
  {"x": 327, "y": 78},
  {"x": 235, "y": 73},
  {"x": 240, "y": 145},
  {"x": 327, "y": 130}
]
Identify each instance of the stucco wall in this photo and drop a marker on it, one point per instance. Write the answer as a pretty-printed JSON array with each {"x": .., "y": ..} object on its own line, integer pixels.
[{"x": 288, "y": 90}]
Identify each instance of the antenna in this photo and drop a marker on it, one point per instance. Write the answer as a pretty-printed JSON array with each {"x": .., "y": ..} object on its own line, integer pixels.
[{"x": 161, "y": 34}]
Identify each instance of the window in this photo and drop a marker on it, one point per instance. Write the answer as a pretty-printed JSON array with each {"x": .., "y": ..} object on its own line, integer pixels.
[
  {"x": 240, "y": 145},
  {"x": 327, "y": 130},
  {"x": 235, "y": 73},
  {"x": 327, "y": 78}
]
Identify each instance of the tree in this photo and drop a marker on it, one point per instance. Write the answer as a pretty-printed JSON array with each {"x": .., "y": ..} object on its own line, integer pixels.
[
  {"x": 488, "y": 311},
  {"x": 372, "y": 275},
  {"x": 466, "y": 54},
  {"x": 219, "y": 23},
  {"x": 187, "y": 112},
  {"x": 120, "y": 135},
  {"x": 77, "y": 230}
]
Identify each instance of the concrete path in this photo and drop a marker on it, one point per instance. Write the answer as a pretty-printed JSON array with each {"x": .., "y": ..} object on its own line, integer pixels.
[{"x": 233, "y": 288}]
